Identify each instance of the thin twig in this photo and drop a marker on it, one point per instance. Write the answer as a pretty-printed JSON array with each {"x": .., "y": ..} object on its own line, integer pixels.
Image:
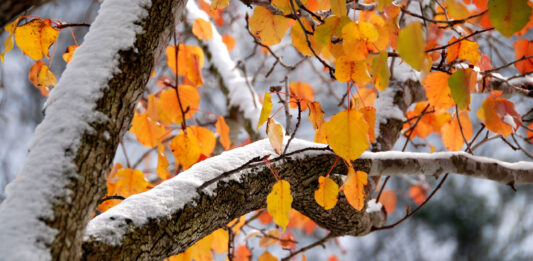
[
  {"x": 298, "y": 120},
  {"x": 303, "y": 249}
]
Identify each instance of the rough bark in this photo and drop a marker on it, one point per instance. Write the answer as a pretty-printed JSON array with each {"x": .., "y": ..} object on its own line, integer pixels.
[{"x": 76, "y": 201}]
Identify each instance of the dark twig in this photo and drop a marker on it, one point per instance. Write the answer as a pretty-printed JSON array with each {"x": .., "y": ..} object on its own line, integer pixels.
[
  {"x": 298, "y": 120},
  {"x": 303, "y": 249},
  {"x": 110, "y": 198},
  {"x": 468, "y": 149}
]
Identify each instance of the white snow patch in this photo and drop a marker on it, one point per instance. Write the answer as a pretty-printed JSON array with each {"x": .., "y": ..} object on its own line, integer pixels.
[
  {"x": 403, "y": 71},
  {"x": 49, "y": 165},
  {"x": 239, "y": 93},
  {"x": 175, "y": 193},
  {"x": 385, "y": 107},
  {"x": 509, "y": 120},
  {"x": 373, "y": 206}
]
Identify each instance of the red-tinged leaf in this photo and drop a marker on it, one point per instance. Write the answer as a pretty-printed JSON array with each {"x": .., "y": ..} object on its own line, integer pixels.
[
  {"x": 242, "y": 254},
  {"x": 303, "y": 92},
  {"x": 223, "y": 132},
  {"x": 417, "y": 194},
  {"x": 523, "y": 48},
  {"x": 499, "y": 114},
  {"x": 388, "y": 200}
]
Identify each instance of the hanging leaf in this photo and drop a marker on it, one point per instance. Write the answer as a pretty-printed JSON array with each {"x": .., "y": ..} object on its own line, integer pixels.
[
  {"x": 364, "y": 97},
  {"x": 229, "y": 41},
  {"x": 452, "y": 137},
  {"x": 380, "y": 71},
  {"x": 523, "y": 48},
  {"x": 35, "y": 38},
  {"x": 509, "y": 16},
  {"x": 279, "y": 203},
  {"x": 369, "y": 115},
  {"x": 302, "y": 91},
  {"x": 243, "y": 254},
  {"x": 275, "y": 134},
  {"x": 356, "y": 39},
  {"x": 190, "y": 62},
  {"x": 465, "y": 50},
  {"x": 220, "y": 241},
  {"x": 347, "y": 134},
  {"x": 316, "y": 114},
  {"x": 388, "y": 200},
  {"x": 437, "y": 90},
  {"x": 326, "y": 194},
  {"x": 186, "y": 149},
  {"x": 129, "y": 182},
  {"x": 460, "y": 83},
  {"x": 9, "y": 42},
  {"x": 41, "y": 77},
  {"x": 67, "y": 56},
  {"x": 206, "y": 139},
  {"x": 149, "y": 133},
  {"x": 499, "y": 114},
  {"x": 354, "y": 188},
  {"x": 223, "y": 132},
  {"x": 202, "y": 29},
  {"x": 265, "y": 110},
  {"x": 347, "y": 70},
  {"x": 411, "y": 45},
  {"x": 300, "y": 42},
  {"x": 268, "y": 27},
  {"x": 417, "y": 194},
  {"x": 162, "y": 164},
  {"x": 169, "y": 108}
]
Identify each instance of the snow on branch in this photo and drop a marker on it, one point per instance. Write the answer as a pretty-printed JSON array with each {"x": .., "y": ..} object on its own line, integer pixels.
[
  {"x": 186, "y": 211},
  {"x": 240, "y": 95}
]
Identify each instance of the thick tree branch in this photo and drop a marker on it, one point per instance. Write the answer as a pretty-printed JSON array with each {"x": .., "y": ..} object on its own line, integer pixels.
[
  {"x": 172, "y": 216},
  {"x": 49, "y": 204}
]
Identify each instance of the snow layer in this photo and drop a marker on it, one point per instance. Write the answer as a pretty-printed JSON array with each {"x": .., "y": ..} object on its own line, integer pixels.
[
  {"x": 239, "y": 93},
  {"x": 373, "y": 206},
  {"x": 175, "y": 193},
  {"x": 49, "y": 165}
]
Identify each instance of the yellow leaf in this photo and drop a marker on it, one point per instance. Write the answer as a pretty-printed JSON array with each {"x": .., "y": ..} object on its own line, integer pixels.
[
  {"x": 266, "y": 256},
  {"x": 206, "y": 139},
  {"x": 347, "y": 134},
  {"x": 469, "y": 51},
  {"x": 275, "y": 135},
  {"x": 320, "y": 134},
  {"x": 223, "y": 132},
  {"x": 285, "y": 6},
  {"x": 200, "y": 251},
  {"x": 186, "y": 149},
  {"x": 456, "y": 10},
  {"x": 338, "y": 7},
  {"x": 380, "y": 71},
  {"x": 67, "y": 56},
  {"x": 326, "y": 194},
  {"x": 354, "y": 188},
  {"x": 220, "y": 241},
  {"x": 202, "y": 29},
  {"x": 9, "y": 43},
  {"x": 129, "y": 182},
  {"x": 169, "y": 108},
  {"x": 437, "y": 90},
  {"x": 411, "y": 45},
  {"x": 279, "y": 203},
  {"x": 162, "y": 164},
  {"x": 300, "y": 43},
  {"x": 348, "y": 70},
  {"x": 316, "y": 114},
  {"x": 356, "y": 37},
  {"x": 237, "y": 224},
  {"x": 219, "y": 4},
  {"x": 265, "y": 110},
  {"x": 35, "y": 38},
  {"x": 369, "y": 114},
  {"x": 268, "y": 27}
]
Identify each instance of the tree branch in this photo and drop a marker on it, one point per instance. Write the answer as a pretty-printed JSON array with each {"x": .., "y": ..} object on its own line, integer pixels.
[{"x": 172, "y": 216}]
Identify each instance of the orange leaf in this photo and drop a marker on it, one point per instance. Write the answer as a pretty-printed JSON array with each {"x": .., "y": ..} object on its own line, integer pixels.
[
  {"x": 364, "y": 97},
  {"x": 417, "y": 194},
  {"x": 268, "y": 27},
  {"x": 388, "y": 199},
  {"x": 369, "y": 115},
  {"x": 529, "y": 132},
  {"x": 242, "y": 254},
  {"x": 499, "y": 114},
  {"x": 162, "y": 164},
  {"x": 206, "y": 139},
  {"x": 451, "y": 131},
  {"x": 237, "y": 224},
  {"x": 35, "y": 38},
  {"x": 223, "y": 132},
  {"x": 465, "y": 50},
  {"x": 356, "y": 39},
  {"x": 147, "y": 130},
  {"x": 220, "y": 241},
  {"x": 129, "y": 182},
  {"x": 437, "y": 90},
  {"x": 229, "y": 41},
  {"x": 354, "y": 188},
  {"x": 522, "y": 48},
  {"x": 300, "y": 42},
  {"x": 347, "y": 134},
  {"x": 302, "y": 91},
  {"x": 190, "y": 62},
  {"x": 41, "y": 77},
  {"x": 202, "y": 29},
  {"x": 316, "y": 115},
  {"x": 186, "y": 149},
  {"x": 67, "y": 56},
  {"x": 169, "y": 108}
]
